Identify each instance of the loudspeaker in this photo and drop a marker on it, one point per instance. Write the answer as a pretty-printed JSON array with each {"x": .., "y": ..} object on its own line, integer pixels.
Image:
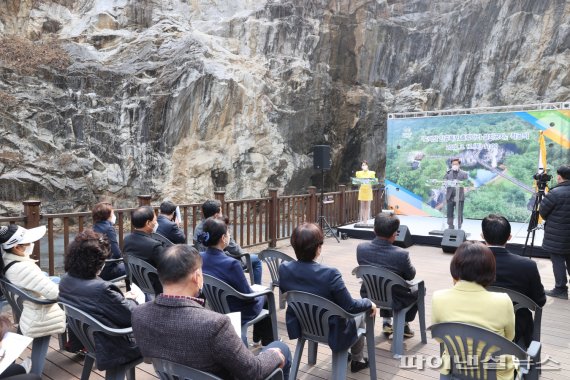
[
  {"x": 322, "y": 157},
  {"x": 451, "y": 240},
  {"x": 403, "y": 237}
]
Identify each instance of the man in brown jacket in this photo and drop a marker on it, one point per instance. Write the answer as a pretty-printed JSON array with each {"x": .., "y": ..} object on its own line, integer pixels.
[{"x": 178, "y": 328}]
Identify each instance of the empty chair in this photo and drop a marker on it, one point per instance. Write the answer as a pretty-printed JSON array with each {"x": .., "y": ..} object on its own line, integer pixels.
[
  {"x": 84, "y": 326},
  {"x": 313, "y": 313},
  {"x": 273, "y": 259},
  {"x": 379, "y": 283},
  {"x": 217, "y": 293},
  {"x": 143, "y": 274},
  {"x": 16, "y": 298},
  {"x": 168, "y": 370},
  {"x": 474, "y": 351}
]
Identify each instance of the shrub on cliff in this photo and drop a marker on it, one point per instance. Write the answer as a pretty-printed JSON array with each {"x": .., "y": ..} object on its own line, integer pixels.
[{"x": 27, "y": 56}]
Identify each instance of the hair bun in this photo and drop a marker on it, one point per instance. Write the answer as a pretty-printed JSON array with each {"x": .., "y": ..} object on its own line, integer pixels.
[{"x": 203, "y": 237}]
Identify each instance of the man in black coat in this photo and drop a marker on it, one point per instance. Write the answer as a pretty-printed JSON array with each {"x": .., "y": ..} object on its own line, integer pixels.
[
  {"x": 455, "y": 174},
  {"x": 513, "y": 272},
  {"x": 141, "y": 242},
  {"x": 555, "y": 210},
  {"x": 167, "y": 225},
  {"x": 381, "y": 252}
]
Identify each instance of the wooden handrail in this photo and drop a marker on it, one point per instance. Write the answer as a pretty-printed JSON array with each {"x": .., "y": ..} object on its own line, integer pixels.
[{"x": 254, "y": 221}]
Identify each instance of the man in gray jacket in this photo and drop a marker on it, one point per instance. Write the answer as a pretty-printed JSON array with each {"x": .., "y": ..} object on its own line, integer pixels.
[
  {"x": 555, "y": 209},
  {"x": 381, "y": 252},
  {"x": 177, "y": 327}
]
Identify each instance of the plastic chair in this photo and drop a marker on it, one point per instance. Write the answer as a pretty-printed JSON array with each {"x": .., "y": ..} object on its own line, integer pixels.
[
  {"x": 16, "y": 297},
  {"x": 140, "y": 272},
  {"x": 168, "y": 370},
  {"x": 313, "y": 313},
  {"x": 474, "y": 351},
  {"x": 84, "y": 326},
  {"x": 217, "y": 293},
  {"x": 245, "y": 259},
  {"x": 274, "y": 259},
  {"x": 379, "y": 283},
  {"x": 111, "y": 261},
  {"x": 521, "y": 301}
]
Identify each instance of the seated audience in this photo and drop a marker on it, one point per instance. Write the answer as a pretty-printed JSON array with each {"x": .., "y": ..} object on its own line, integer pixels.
[
  {"x": 13, "y": 371},
  {"x": 472, "y": 269},
  {"x": 213, "y": 208},
  {"x": 167, "y": 224},
  {"x": 382, "y": 252},
  {"x": 215, "y": 237},
  {"x": 21, "y": 270},
  {"x": 513, "y": 272},
  {"x": 103, "y": 300},
  {"x": 143, "y": 243},
  {"x": 307, "y": 275},
  {"x": 193, "y": 336},
  {"x": 104, "y": 219}
]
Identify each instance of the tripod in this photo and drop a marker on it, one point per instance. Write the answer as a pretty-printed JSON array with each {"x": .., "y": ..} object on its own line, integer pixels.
[
  {"x": 533, "y": 222},
  {"x": 321, "y": 220}
]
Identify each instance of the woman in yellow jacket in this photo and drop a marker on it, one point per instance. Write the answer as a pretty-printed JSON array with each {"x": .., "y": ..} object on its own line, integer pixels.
[
  {"x": 365, "y": 192},
  {"x": 473, "y": 268}
]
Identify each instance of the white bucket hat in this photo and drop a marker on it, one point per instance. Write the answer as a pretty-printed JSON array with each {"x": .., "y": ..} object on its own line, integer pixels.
[{"x": 24, "y": 236}]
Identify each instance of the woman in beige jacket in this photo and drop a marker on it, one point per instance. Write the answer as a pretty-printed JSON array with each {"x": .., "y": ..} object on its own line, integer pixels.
[{"x": 22, "y": 271}]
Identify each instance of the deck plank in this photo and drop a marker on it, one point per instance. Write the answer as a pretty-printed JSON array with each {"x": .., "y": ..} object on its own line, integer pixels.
[{"x": 432, "y": 266}]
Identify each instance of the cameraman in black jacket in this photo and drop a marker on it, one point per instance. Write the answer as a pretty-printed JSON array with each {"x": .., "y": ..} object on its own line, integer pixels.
[{"x": 555, "y": 209}]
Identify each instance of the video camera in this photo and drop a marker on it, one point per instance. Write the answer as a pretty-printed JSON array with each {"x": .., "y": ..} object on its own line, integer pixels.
[{"x": 542, "y": 180}]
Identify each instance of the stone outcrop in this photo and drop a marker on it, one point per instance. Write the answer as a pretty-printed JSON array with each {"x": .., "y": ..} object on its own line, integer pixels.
[{"x": 178, "y": 98}]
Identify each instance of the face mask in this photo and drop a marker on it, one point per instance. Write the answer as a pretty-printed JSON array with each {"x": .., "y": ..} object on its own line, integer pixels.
[
  {"x": 155, "y": 228},
  {"x": 455, "y": 167},
  {"x": 113, "y": 218},
  {"x": 29, "y": 250}
]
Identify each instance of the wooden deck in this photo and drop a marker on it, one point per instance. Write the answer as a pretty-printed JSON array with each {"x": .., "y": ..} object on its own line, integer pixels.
[{"x": 432, "y": 266}]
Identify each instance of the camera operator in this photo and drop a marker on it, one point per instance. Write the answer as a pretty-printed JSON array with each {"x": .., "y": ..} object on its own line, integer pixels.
[{"x": 555, "y": 209}]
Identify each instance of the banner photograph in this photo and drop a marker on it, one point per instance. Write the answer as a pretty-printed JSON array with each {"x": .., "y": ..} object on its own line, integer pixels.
[{"x": 497, "y": 154}]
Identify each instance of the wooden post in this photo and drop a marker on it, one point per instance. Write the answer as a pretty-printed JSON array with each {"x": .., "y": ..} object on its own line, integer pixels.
[
  {"x": 312, "y": 217},
  {"x": 273, "y": 215},
  {"x": 341, "y": 201},
  {"x": 32, "y": 214},
  {"x": 220, "y": 195}
]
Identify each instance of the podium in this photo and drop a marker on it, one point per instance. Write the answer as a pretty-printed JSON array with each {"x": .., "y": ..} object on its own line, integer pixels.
[
  {"x": 364, "y": 181},
  {"x": 447, "y": 183}
]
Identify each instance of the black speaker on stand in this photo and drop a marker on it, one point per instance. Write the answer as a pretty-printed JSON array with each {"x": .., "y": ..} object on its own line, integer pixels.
[
  {"x": 322, "y": 162},
  {"x": 451, "y": 240},
  {"x": 322, "y": 157}
]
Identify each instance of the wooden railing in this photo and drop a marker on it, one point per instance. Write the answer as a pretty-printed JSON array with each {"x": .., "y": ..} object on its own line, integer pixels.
[{"x": 253, "y": 221}]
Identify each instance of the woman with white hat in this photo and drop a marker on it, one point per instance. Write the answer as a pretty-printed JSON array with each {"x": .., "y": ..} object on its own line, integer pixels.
[{"x": 21, "y": 270}]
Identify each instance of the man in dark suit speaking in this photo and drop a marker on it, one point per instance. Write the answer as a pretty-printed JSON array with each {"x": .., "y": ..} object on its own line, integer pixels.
[
  {"x": 381, "y": 252},
  {"x": 452, "y": 196},
  {"x": 513, "y": 272}
]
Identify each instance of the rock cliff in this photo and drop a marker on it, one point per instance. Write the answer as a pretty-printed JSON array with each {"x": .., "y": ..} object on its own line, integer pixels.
[{"x": 178, "y": 98}]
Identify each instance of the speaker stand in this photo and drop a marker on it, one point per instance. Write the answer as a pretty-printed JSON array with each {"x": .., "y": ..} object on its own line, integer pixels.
[{"x": 321, "y": 220}]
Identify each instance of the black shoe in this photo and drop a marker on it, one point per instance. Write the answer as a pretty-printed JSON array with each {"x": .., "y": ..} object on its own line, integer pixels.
[
  {"x": 408, "y": 332},
  {"x": 557, "y": 293},
  {"x": 357, "y": 366},
  {"x": 387, "y": 329}
]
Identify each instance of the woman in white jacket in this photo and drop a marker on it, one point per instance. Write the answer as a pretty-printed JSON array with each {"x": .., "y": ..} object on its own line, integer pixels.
[{"x": 22, "y": 271}]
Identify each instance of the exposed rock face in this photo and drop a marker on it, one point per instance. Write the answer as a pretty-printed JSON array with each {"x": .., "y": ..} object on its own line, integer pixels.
[{"x": 178, "y": 98}]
